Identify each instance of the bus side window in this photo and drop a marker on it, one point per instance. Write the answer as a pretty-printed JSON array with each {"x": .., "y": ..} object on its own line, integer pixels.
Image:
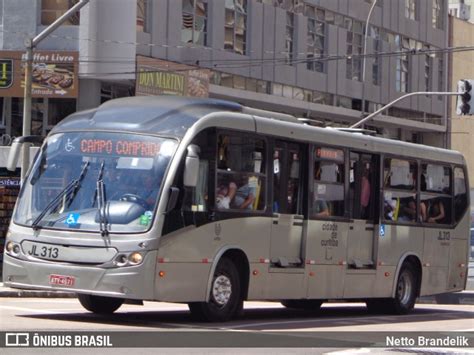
[
  {"x": 241, "y": 173},
  {"x": 400, "y": 198},
  {"x": 328, "y": 183},
  {"x": 435, "y": 195},
  {"x": 460, "y": 193}
]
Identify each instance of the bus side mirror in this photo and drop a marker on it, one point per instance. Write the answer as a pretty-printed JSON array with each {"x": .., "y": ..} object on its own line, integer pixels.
[
  {"x": 17, "y": 146},
  {"x": 14, "y": 155},
  {"x": 191, "y": 166}
]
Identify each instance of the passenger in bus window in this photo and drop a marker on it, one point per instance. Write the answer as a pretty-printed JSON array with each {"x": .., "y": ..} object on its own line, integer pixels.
[
  {"x": 436, "y": 211},
  {"x": 408, "y": 210},
  {"x": 147, "y": 189},
  {"x": 224, "y": 195},
  {"x": 364, "y": 193},
  {"x": 390, "y": 209},
  {"x": 321, "y": 209},
  {"x": 244, "y": 197}
]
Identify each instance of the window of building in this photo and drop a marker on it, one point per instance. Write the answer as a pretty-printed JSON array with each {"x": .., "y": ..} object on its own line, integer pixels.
[
  {"x": 59, "y": 109},
  {"x": 354, "y": 49},
  {"x": 441, "y": 87},
  {"x": 109, "y": 91},
  {"x": 428, "y": 71},
  {"x": 315, "y": 38},
  {"x": 240, "y": 173},
  {"x": 400, "y": 194},
  {"x": 411, "y": 9},
  {"x": 376, "y": 66},
  {"x": 236, "y": 26},
  {"x": 328, "y": 183},
  {"x": 142, "y": 15},
  {"x": 194, "y": 27},
  {"x": 436, "y": 200},
  {"x": 438, "y": 14},
  {"x": 51, "y": 10},
  {"x": 289, "y": 33},
  {"x": 401, "y": 81}
]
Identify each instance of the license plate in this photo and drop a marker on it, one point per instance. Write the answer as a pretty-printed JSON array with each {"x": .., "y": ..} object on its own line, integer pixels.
[
  {"x": 71, "y": 253},
  {"x": 43, "y": 251},
  {"x": 62, "y": 280}
]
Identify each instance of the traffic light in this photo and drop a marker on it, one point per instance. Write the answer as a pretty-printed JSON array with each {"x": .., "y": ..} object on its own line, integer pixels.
[{"x": 465, "y": 102}]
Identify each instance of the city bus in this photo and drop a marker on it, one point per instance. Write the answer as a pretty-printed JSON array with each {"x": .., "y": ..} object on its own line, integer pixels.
[{"x": 210, "y": 203}]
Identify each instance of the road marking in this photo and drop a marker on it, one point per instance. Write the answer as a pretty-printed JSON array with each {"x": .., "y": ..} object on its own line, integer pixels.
[
  {"x": 350, "y": 351},
  {"x": 13, "y": 308}
]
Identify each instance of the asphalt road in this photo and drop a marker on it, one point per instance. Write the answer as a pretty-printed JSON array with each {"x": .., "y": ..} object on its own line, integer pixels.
[{"x": 39, "y": 314}]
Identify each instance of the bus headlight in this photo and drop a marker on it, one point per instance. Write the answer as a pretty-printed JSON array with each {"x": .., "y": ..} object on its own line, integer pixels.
[
  {"x": 135, "y": 258},
  {"x": 9, "y": 247}
]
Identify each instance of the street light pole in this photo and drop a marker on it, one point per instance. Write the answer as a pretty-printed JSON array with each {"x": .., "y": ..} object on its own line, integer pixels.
[
  {"x": 379, "y": 111},
  {"x": 30, "y": 45},
  {"x": 364, "y": 58}
]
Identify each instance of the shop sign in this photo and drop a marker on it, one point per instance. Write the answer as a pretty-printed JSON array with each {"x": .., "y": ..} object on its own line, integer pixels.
[
  {"x": 6, "y": 69},
  {"x": 159, "y": 77},
  {"x": 55, "y": 74}
]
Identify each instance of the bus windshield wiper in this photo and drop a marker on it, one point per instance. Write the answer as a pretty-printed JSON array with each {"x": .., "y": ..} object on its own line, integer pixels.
[
  {"x": 101, "y": 202},
  {"x": 73, "y": 187}
]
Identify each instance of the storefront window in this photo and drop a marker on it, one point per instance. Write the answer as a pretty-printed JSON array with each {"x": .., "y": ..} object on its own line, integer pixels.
[
  {"x": 59, "y": 109},
  {"x": 51, "y": 10}
]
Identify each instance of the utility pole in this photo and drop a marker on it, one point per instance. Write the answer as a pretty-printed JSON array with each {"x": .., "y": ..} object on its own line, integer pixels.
[
  {"x": 364, "y": 58},
  {"x": 379, "y": 111},
  {"x": 30, "y": 44}
]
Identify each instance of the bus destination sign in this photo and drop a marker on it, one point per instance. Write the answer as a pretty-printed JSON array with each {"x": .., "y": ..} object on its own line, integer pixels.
[
  {"x": 331, "y": 154},
  {"x": 120, "y": 147}
]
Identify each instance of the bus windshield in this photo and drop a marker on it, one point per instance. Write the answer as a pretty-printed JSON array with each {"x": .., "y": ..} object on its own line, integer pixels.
[{"x": 95, "y": 181}]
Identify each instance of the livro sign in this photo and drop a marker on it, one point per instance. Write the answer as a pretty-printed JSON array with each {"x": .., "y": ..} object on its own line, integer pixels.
[
  {"x": 159, "y": 77},
  {"x": 54, "y": 74}
]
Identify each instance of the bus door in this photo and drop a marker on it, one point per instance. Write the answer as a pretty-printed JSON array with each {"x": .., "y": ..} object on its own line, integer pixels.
[
  {"x": 363, "y": 197},
  {"x": 288, "y": 184}
]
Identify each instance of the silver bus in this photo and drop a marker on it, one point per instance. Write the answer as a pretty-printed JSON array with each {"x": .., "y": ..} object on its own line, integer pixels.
[{"x": 210, "y": 203}]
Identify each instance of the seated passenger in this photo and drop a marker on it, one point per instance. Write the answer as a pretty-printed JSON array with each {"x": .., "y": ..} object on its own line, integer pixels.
[
  {"x": 408, "y": 210},
  {"x": 436, "y": 212},
  {"x": 244, "y": 197},
  {"x": 224, "y": 196},
  {"x": 321, "y": 209}
]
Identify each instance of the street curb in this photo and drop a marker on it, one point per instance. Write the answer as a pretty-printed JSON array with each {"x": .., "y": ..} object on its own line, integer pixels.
[{"x": 466, "y": 298}]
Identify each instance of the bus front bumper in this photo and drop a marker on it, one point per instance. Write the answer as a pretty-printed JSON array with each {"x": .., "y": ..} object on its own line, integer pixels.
[{"x": 132, "y": 282}]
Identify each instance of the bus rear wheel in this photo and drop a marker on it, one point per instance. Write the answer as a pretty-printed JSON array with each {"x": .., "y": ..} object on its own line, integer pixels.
[
  {"x": 100, "y": 304},
  {"x": 309, "y": 305},
  {"x": 225, "y": 300},
  {"x": 405, "y": 294}
]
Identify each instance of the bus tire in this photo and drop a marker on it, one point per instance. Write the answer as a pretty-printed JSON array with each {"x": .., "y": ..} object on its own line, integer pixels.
[
  {"x": 405, "y": 292},
  {"x": 100, "y": 304},
  {"x": 225, "y": 299},
  {"x": 309, "y": 305}
]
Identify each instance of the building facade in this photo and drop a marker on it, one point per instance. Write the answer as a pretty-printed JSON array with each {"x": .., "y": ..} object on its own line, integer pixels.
[
  {"x": 303, "y": 57},
  {"x": 462, "y": 127}
]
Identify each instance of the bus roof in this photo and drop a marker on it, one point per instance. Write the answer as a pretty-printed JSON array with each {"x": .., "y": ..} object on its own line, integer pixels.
[
  {"x": 174, "y": 115},
  {"x": 168, "y": 115}
]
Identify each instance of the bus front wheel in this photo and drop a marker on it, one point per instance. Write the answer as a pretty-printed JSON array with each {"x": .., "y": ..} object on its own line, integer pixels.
[
  {"x": 225, "y": 300},
  {"x": 99, "y": 304}
]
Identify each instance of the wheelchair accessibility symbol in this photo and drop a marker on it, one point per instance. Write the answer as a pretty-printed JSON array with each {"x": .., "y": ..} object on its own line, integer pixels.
[
  {"x": 382, "y": 230},
  {"x": 69, "y": 146},
  {"x": 72, "y": 219}
]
